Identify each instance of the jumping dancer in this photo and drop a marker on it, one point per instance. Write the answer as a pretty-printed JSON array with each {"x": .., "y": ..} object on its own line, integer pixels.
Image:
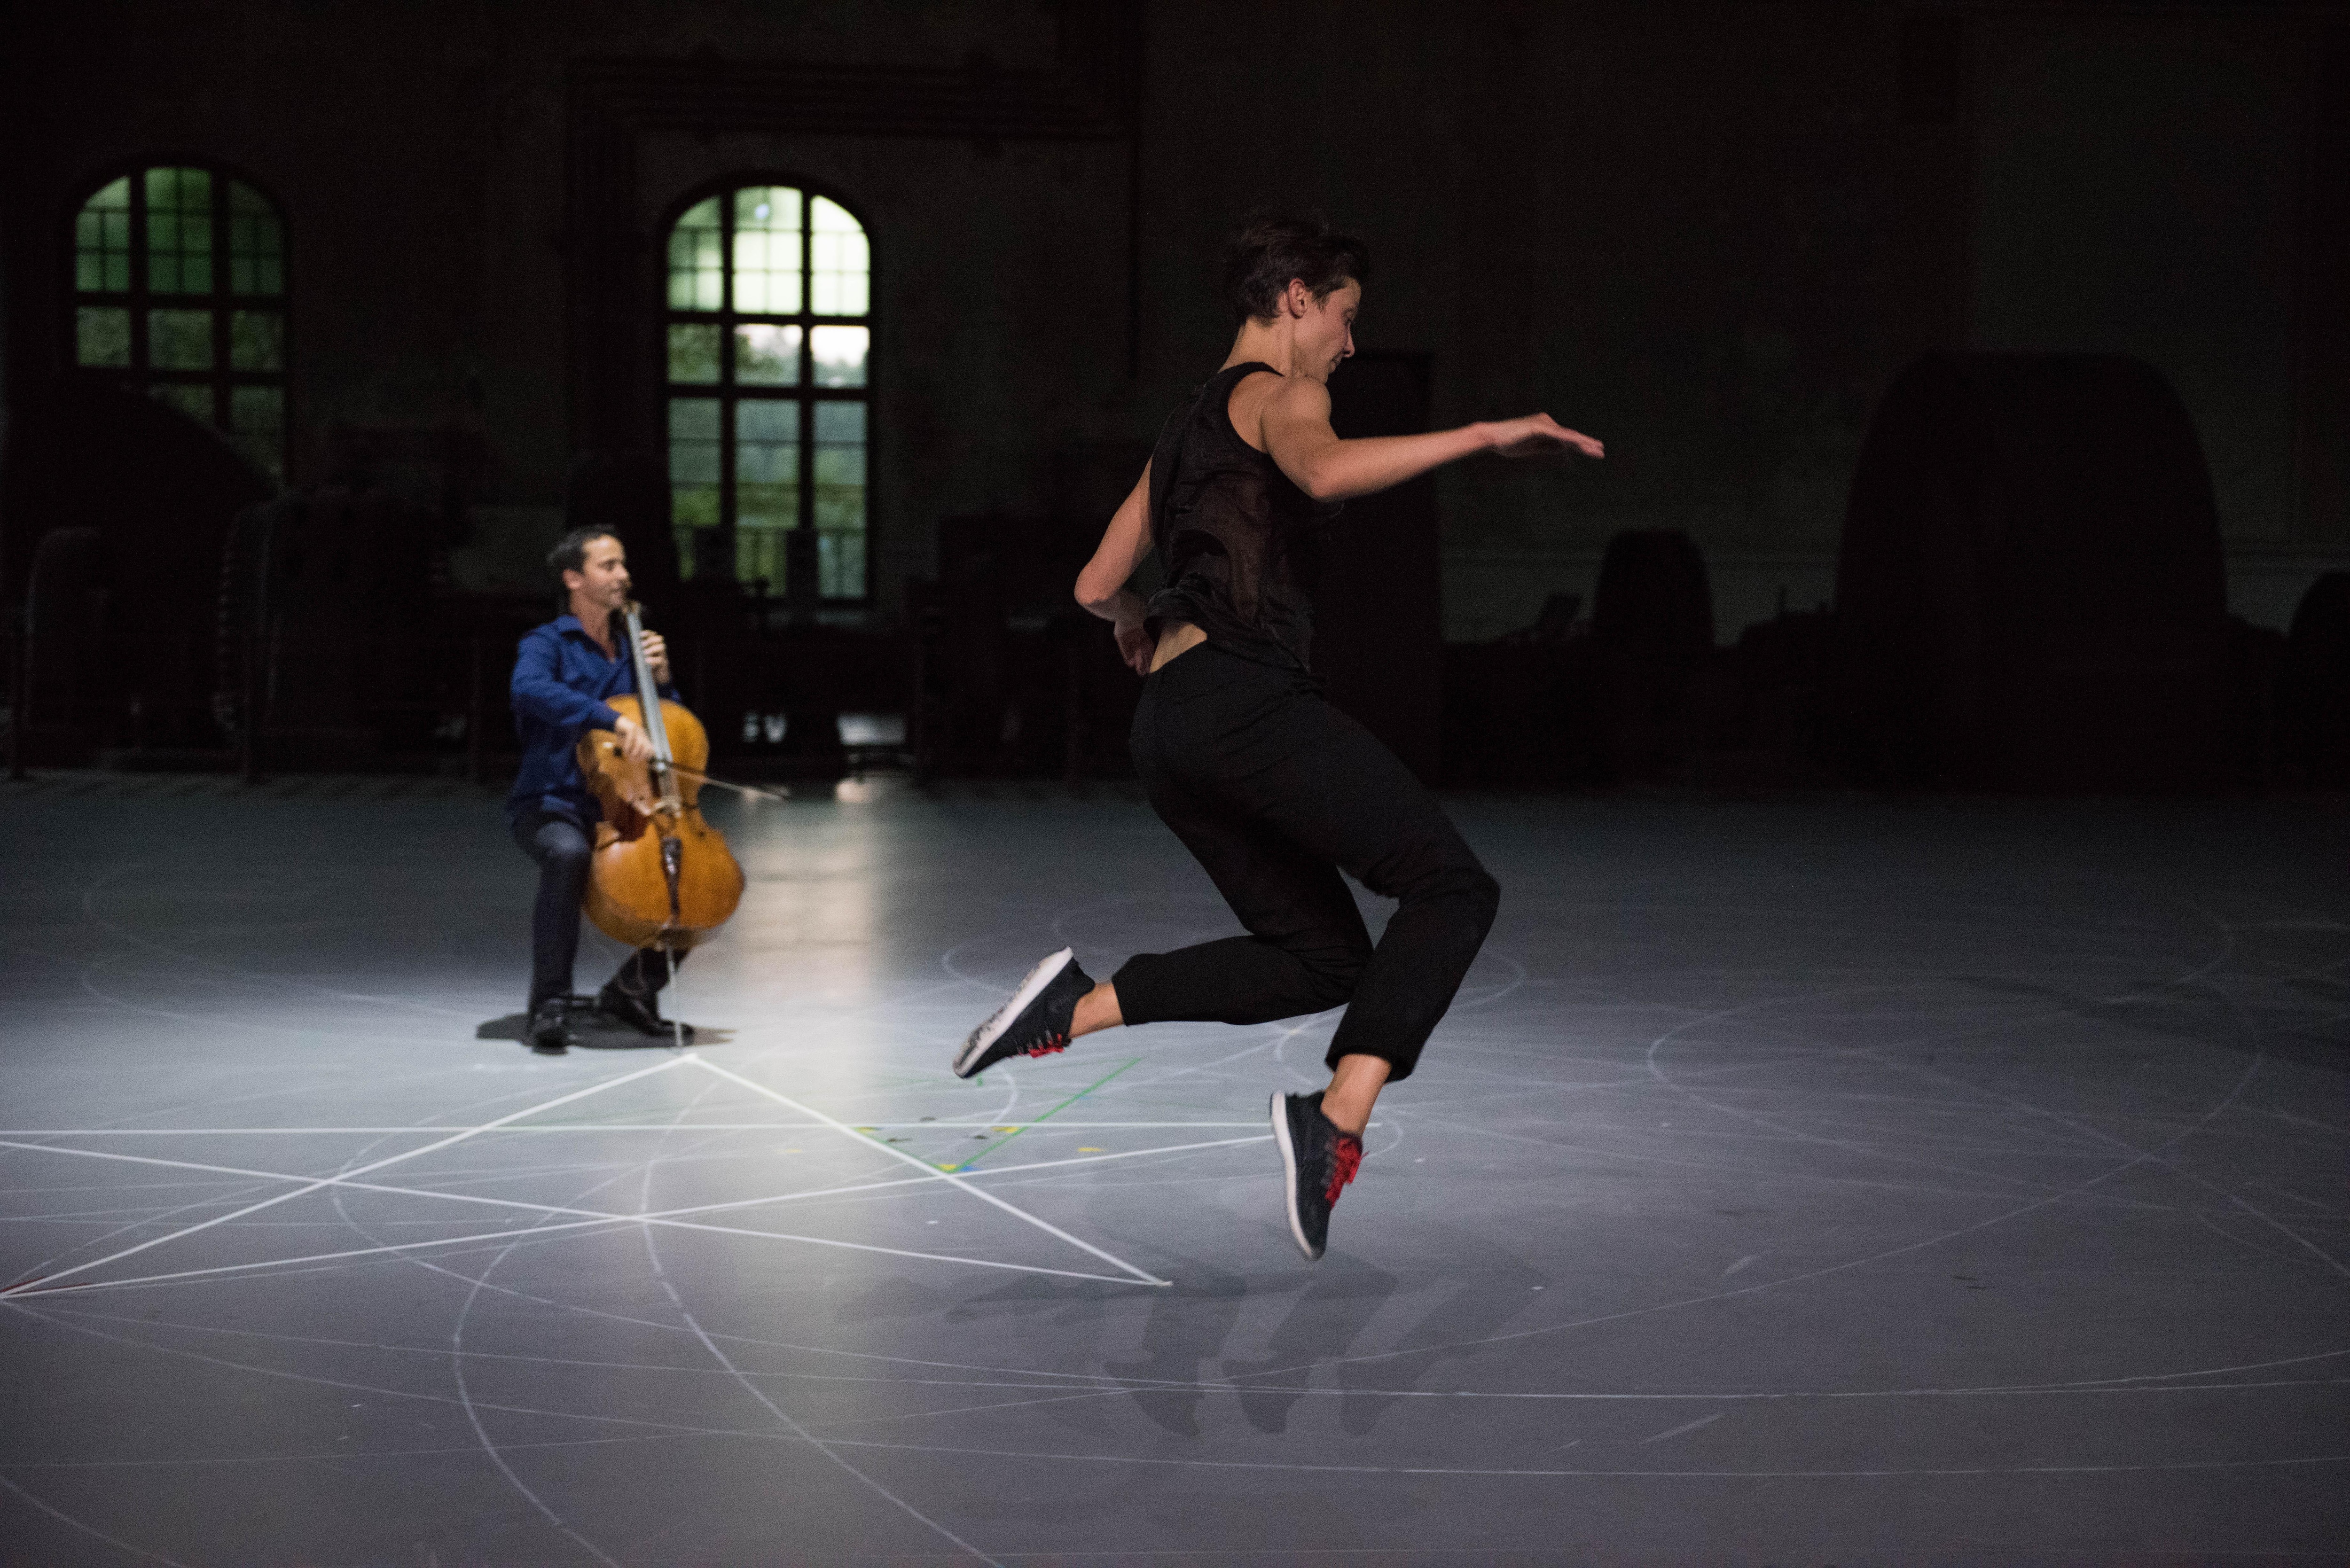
[{"x": 1273, "y": 791}]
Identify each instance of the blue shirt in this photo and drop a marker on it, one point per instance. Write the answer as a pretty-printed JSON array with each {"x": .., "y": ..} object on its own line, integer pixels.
[{"x": 560, "y": 680}]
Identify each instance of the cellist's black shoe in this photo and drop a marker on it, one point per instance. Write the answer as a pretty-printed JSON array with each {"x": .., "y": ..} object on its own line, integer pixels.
[
  {"x": 1033, "y": 1023},
  {"x": 1317, "y": 1160},
  {"x": 550, "y": 1027},
  {"x": 641, "y": 1013}
]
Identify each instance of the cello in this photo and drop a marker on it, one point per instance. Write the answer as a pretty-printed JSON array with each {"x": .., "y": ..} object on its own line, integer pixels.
[{"x": 659, "y": 876}]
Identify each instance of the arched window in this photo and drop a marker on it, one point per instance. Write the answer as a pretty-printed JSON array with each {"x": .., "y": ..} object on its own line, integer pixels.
[
  {"x": 180, "y": 291},
  {"x": 768, "y": 388}
]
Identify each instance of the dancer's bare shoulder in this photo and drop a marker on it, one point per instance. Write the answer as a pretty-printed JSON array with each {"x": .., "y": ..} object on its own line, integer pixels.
[{"x": 1265, "y": 401}]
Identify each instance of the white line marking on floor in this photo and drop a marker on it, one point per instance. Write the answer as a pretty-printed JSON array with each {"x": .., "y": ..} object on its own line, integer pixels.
[
  {"x": 614, "y": 1221},
  {"x": 301, "y": 1185},
  {"x": 1684, "y": 1427},
  {"x": 981, "y": 1193},
  {"x": 929, "y": 1175},
  {"x": 591, "y": 1219},
  {"x": 314, "y": 1186},
  {"x": 761, "y": 1394},
  {"x": 589, "y": 1127}
]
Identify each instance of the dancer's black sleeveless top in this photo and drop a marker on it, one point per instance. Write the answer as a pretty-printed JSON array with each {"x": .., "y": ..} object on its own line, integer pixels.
[{"x": 1240, "y": 544}]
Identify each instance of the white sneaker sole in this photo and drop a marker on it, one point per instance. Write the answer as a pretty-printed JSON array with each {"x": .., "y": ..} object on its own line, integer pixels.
[
  {"x": 1280, "y": 1111},
  {"x": 989, "y": 1032}
]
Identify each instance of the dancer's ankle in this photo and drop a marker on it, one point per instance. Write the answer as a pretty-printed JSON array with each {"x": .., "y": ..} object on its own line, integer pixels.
[
  {"x": 1096, "y": 1010},
  {"x": 1355, "y": 1085}
]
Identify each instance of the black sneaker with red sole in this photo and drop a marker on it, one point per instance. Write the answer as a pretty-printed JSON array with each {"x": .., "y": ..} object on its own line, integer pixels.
[
  {"x": 1033, "y": 1023},
  {"x": 1317, "y": 1160}
]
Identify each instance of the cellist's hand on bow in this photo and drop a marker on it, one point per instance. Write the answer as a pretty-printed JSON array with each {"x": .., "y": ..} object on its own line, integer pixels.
[
  {"x": 635, "y": 744},
  {"x": 657, "y": 657}
]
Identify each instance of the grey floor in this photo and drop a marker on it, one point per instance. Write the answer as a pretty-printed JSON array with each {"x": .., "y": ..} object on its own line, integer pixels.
[{"x": 1810, "y": 1183}]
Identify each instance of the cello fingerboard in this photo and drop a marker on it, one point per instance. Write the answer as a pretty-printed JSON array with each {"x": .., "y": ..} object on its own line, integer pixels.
[{"x": 647, "y": 694}]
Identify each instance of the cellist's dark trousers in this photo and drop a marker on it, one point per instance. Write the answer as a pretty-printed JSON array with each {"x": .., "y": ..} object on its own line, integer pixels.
[{"x": 561, "y": 847}]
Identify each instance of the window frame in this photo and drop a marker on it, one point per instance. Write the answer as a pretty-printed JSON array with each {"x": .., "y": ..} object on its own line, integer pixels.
[
  {"x": 729, "y": 393},
  {"x": 221, "y": 303}
]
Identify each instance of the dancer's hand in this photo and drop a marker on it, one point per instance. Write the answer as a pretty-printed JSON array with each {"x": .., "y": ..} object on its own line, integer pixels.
[
  {"x": 1134, "y": 646},
  {"x": 1538, "y": 435}
]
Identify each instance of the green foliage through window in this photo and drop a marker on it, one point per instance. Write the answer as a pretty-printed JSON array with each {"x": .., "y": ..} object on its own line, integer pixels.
[
  {"x": 180, "y": 291},
  {"x": 768, "y": 351}
]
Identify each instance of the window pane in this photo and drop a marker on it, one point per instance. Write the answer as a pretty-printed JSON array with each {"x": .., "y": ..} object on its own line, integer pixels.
[
  {"x": 180, "y": 339},
  {"x": 102, "y": 242},
  {"x": 840, "y": 466},
  {"x": 692, "y": 475},
  {"x": 196, "y": 402},
  {"x": 256, "y": 243},
  {"x": 693, "y": 442},
  {"x": 839, "y": 259},
  {"x": 697, "y": 276},
  {"x": 178, "y": 230},
  {"x": 839, "y": 354},
  {"x": 257, "y": 420},
  {"x": 101, "y": 336},
  {"x": 767, "y": 250},
  {"x": 748, "y": 252},
  {"x": 257, "y": 340},
  {"x": 767, "y": 464},
  {"x": 693, "y": 352},
  {"x": 840, "y": 566},
  {"x": 759, "y": 556},
  {"x": 767, "y": 355}
]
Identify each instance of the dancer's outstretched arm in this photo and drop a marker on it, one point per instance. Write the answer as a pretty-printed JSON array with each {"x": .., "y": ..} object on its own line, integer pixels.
[{"x": 1295, "y": 428}]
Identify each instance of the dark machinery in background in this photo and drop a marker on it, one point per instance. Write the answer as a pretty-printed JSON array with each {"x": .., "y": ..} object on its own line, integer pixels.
[
  {"x": 1583, "y": 704},
  {"x": 2029, "y": 597},
  {"x": 2313, "y": 706},
  {"x": 1007, "y": 675},
  {"x": 1651, "y": 632},
  {"x": 335, "y": 649},
  {"x": 118, "y": 505},
  {"x": 776, "y": 682},
  {"x": 181, "y": 613},
  {"x": 1378, "y": 616},
  {"x": 1003, "y": 674},
  {"x": 341, "y": 644},
  {"x": 2032, "y": 588}
]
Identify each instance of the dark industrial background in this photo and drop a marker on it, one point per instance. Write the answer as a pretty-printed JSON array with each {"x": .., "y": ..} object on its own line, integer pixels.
[{"x": 1975, "y": 379}]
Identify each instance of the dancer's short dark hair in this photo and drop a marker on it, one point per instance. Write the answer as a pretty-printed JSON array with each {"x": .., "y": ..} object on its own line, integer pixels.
[
  {"x": 1265, "y": 253},
  {"x": 570, "y": 551}
]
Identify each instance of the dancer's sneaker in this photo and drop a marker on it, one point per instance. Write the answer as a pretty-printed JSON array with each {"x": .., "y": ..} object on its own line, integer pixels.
[
  {"x": 1317, "y": 1159},
  {"x": 1033, "y": 1023}
]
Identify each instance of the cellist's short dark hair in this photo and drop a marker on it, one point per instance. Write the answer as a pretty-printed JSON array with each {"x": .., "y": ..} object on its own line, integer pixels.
[
  {"x": 570, "y": 551},
  {"x": 1266, "y": 252}
]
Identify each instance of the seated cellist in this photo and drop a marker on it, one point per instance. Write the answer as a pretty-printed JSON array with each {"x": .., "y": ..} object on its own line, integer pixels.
[{"x": 563, "y": 672}]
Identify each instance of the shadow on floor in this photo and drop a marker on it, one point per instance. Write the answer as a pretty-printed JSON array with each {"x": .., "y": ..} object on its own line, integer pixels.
[{"x": 594, "y": 1033}]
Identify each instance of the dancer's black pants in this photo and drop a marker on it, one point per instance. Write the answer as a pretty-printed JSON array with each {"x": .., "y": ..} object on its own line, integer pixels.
[
  {"x": 1276, "y": 791},
  {"x": 561, "y": 847}
]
